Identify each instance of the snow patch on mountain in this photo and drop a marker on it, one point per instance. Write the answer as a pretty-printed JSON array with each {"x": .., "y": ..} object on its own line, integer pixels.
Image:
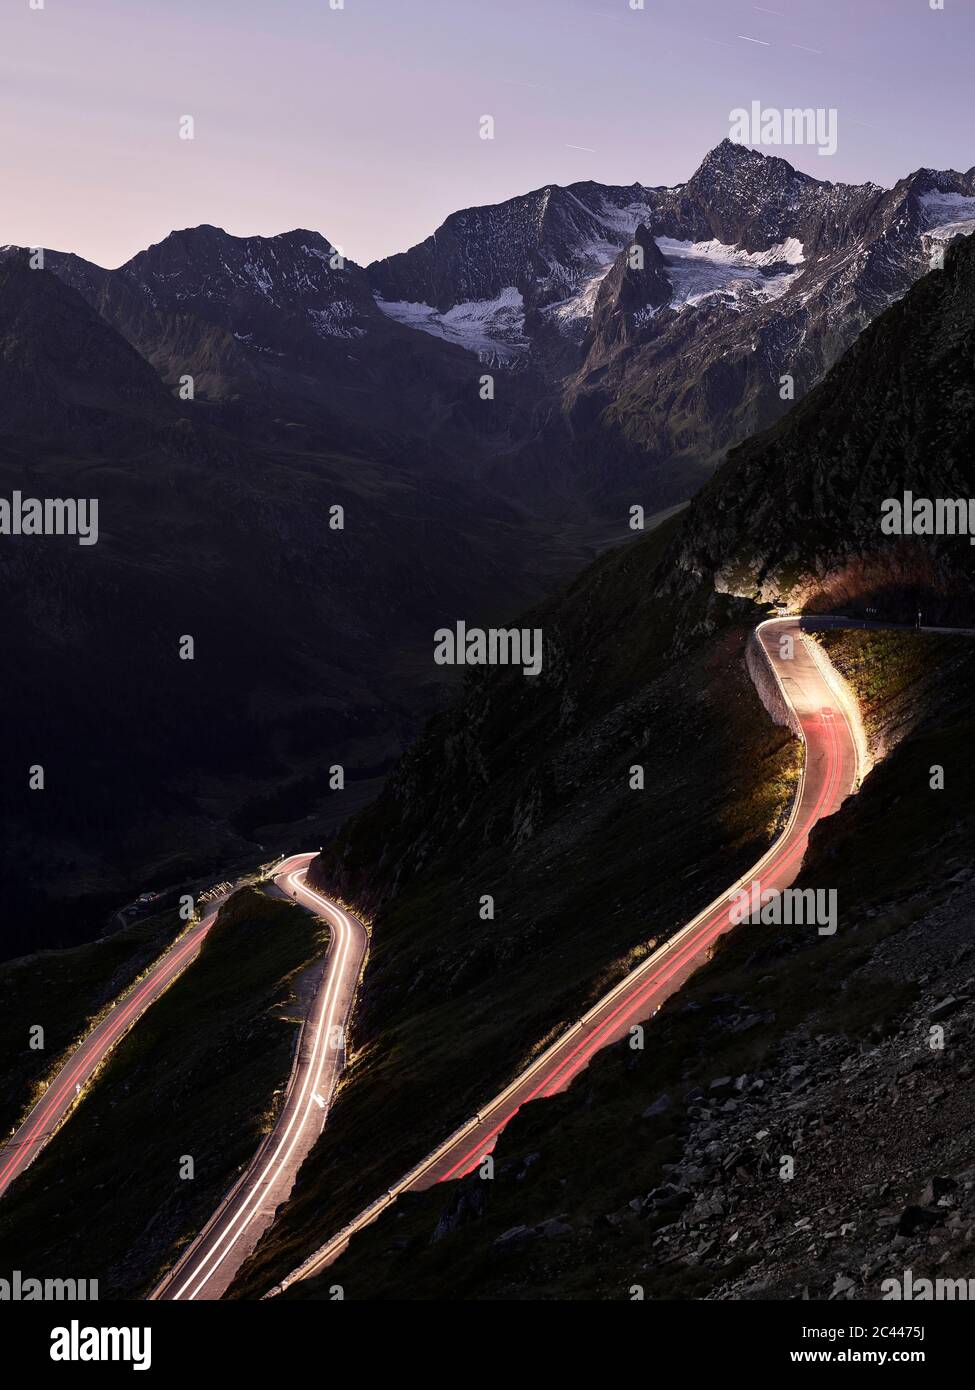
[
  {"x": 788, "y": 252},
  {"x": 948, "y": 215},
  {"x": 493, "y": 329},
  {"x": 318, "y": 253},
  {"x": 623, "y": 222},
  {"x": 947, "y": 209},
  {"x": 644, "y": 316},
  {"x": 258, "y": 275},
  {"x": 700, "y": 269},
  {"x": 573, "y": 313},
  {"x": 337, "y": 321}
]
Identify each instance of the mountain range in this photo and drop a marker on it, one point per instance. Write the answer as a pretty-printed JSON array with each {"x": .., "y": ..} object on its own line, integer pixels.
[
  {"x": 637, "y": 340},
  {"x": 617, "y": 385},
  {"x": 753, "y": 272},
  {"x": 223, "y": 395},
  {"x": 216, "y": 522},
  {"x": 521, "y": 790}
]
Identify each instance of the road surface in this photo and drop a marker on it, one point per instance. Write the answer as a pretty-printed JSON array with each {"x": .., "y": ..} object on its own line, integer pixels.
[
  {"x": 832, "y": 768},
  {"x": 208, "y": 1266},
  {"x": 68, "y": 1085}
]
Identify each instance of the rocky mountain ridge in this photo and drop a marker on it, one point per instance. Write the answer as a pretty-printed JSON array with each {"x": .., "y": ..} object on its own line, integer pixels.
[
  {"x": 796, "y": 511},
  {"x": 613, "y": 388}
]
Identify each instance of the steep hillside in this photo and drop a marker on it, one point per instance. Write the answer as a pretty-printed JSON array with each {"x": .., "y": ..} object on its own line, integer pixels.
[
  {"x": 62, "y": 991},
  {"x": 796, "y": 512},
  {"x": 523, "y": 793},
  {"x": 773, "y": 275},
  {"x": 65, "y": 377},
  {"x": 797, "y": 1125},
  {"x": 520, "y": 793},
  {"x": 306, "y": 636}
]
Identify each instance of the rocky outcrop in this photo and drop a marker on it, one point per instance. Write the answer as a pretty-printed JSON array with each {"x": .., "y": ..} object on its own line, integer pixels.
[{"x": 633, "y": 291}]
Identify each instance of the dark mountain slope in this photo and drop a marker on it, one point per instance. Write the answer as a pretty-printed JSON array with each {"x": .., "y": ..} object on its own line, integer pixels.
[
  {"x": 759, "y": 273},
  {"x": 775, "y": 275},
  {"x": 659, "y": 1173},
  {"x": 797, "y": 511},
  {"x": 64, "y": 374},
  {"x": 608, "y": 390},
  {"x": 306, "y": 637},
  {"x": 520, "y": 791},
  {"x": 282, "y": 335}
]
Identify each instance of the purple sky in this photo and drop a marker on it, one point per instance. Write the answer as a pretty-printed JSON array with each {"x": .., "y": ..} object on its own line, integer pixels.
[{"x": 363, "y": 122}]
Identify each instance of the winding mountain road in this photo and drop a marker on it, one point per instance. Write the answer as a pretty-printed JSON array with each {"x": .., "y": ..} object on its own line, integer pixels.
[
  {"x": 819, "y": 710},
  {"x": 208, "y": 1266},
  {"x": 68, "y": 1084},
  {"x": 822, "y": 713}
]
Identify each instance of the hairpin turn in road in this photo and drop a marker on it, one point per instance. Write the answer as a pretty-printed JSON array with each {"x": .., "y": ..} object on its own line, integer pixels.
[
  {"x": 828, "y": 723},
  {"x": 208, "y": 1266}
]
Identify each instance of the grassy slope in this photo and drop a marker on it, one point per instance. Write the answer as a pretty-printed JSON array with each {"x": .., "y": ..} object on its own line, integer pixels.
[
  {"x": 197, "y": 1076},
  {"x": 891, "y": 673},
  {"x": 586, "y": 1153},
  {"x": 512, "y": 794},
  {"x": 62, "y": 991}
]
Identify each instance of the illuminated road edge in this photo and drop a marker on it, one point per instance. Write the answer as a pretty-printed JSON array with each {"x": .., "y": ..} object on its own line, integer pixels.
[
  {"x": 65, "y": 1089},
  {"x": 844, "y": 750}
]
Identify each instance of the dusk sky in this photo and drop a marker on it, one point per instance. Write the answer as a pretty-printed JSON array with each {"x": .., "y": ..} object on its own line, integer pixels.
[{"x": 363, "y": 122}]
